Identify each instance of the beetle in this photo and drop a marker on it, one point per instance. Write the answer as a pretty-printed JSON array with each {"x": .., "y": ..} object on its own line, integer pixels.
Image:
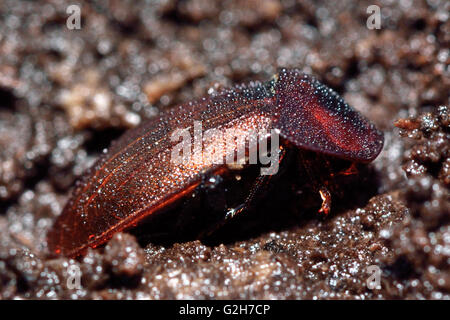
[{"x": 136, "y": 179}]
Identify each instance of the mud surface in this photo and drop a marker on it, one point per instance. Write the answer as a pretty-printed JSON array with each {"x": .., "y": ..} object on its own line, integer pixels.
[{"x": 66, "y": 94}]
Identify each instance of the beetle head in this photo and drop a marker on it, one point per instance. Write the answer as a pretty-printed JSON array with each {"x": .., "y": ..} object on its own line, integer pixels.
[{"x": 314, "y": 117}]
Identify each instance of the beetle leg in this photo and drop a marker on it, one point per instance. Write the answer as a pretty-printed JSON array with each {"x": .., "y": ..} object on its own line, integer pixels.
[
  {"x": 258, "y": 185},
  {"x": 260, "y": 182},
  {"x": 326, "y": 200},
  {"x": 348, "y": 171},
  {"x": 233, "y": 212},
  {"x": 214, "y": 193},
  {"x": 319, "y": 186}
]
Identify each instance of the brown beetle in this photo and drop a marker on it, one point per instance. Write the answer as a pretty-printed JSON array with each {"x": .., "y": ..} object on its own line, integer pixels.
[{"x": 136, "y": 178}]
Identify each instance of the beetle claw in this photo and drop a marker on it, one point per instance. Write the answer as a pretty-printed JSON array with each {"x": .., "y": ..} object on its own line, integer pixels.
[
  {"x": 326, "y": 201},
  {"x": 235, "y": 211}
]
